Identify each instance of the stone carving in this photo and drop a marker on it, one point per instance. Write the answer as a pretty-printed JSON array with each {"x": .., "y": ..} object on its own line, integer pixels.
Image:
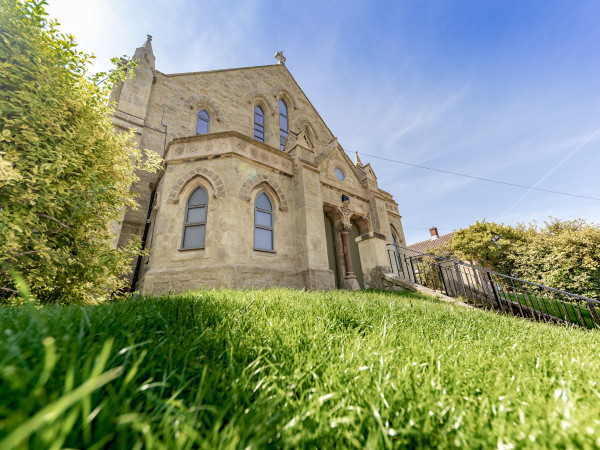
[
  {"x": 264, "y": 157},
  {"x": 346, "y": 224},
  {"x": 241, "y": 146},
  {"x": 179, "y": 150},
  {"x": 208, "y": 148},
  {"x": 194, "y": 148}
]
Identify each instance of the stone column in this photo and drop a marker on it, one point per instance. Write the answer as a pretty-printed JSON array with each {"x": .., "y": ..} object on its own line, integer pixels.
[{"x": 349, "y": 282}]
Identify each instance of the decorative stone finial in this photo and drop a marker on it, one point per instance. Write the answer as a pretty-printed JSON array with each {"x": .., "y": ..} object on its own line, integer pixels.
[
  {"x": 279, "y": 56},
  {"x": 357, "y": 161},
  {"x": 145, "y": 52}
]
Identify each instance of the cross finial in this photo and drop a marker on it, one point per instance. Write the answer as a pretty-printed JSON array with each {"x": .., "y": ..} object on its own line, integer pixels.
[
  {"x": 279, "y": 56},
  {"x": 148, "y": 44}
]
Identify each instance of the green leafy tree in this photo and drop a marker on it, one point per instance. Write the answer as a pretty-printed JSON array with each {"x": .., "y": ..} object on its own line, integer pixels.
[
  {"x": 563, "y": 254},
  {"x": 488, "y": 244},
  {"x": 65, "y": 175}
]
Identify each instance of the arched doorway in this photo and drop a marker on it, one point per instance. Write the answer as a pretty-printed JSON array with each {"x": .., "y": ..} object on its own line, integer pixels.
[
  {"x": 332, "y": 250},
  {"x": 356, "y": 265}
]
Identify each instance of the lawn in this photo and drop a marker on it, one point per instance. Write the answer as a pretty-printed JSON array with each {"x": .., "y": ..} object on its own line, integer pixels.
[
  {"x": 573, "y": 312},
  {"x": 283, "y": 368}
]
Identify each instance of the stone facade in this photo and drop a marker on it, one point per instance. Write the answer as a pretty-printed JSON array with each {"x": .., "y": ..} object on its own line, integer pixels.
[{"x": 319, "y": 240}]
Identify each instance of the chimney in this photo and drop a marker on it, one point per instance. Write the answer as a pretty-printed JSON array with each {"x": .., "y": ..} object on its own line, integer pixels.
[{"x": 434, "y": 233}]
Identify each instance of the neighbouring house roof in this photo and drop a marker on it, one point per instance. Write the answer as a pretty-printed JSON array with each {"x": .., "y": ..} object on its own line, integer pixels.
[{"x": 429, "y": 244}]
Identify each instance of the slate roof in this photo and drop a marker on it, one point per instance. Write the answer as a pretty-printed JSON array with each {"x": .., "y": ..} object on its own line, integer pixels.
[{"x": 429, "y": 244}]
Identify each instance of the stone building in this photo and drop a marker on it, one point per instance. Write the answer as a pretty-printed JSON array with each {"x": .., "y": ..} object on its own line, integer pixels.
[{"x": 255, "y": 190}]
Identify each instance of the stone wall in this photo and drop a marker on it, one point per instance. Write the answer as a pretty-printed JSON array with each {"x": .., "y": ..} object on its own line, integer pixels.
[{"x": 233, "y": 168}]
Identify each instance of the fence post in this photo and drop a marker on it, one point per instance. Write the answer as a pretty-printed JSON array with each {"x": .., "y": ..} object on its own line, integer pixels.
[{"x": 496, "y": 296}]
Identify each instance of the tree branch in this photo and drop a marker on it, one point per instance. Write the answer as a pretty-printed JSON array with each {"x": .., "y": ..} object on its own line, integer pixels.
[
  {"x": 12, "y": 291},
  {"x": 55, "y": 220}
]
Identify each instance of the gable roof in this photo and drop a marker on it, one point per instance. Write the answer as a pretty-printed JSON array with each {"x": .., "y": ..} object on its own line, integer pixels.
[
  {"x": 172, "y": 75},
  {"x": 429, "y": 244}
]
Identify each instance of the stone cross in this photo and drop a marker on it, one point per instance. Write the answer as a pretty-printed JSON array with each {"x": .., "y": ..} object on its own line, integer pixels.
[{"x": 279, "y": 56}]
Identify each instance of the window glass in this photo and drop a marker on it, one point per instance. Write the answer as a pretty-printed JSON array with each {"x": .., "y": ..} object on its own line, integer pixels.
[
  {"x": 194, "y": 226},
  {"x": 263, "y": 223},
  {"x": 203, "y": 122},
  {"x": 197, "y": 214},
  {"x": 283, "y": 124},
  {"x": 259, "y": 124},
  {"x": 194, "y": 236},
  {"x": 263, "y": 218},
  {"x": 263, "y": 202},
  {"x": 263, "y": 239},
  {"x": 198, "y": 197},
  {"x": 339, "y": 174}
]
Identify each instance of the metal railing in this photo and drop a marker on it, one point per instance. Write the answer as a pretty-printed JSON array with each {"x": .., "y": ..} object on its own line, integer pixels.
[{"x": 492, "y": 290}]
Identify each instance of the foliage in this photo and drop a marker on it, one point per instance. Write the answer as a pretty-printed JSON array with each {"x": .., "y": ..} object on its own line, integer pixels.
[
  {"x": 487, "y": 244},
  {"x": 292, "y": 369},
  {"x": 562, "y": 254},
  {"x": 64, "y": 173}
]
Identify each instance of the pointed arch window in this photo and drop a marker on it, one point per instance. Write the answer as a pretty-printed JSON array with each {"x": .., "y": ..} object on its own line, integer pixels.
[
  {"x": 283, "y": 123},
  {"x": 259, "y": 124},
  {"x": 203, "y": 122},
  {"x": 396, "y": 251},
  {"x": 263, "y": 223},
  {"x": 194, "y": 225}
]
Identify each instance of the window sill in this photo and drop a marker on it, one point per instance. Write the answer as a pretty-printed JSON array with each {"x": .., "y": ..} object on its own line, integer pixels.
[
  {"x": 190, "y": 249},
  {"x": 273, "y": 252}
]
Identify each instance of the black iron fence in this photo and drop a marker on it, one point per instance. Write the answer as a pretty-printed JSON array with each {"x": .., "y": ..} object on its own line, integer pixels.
[{"x": 492, "y": 290}]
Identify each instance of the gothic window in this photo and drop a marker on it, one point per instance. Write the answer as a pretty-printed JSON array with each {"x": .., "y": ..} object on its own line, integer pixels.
[
  {"x": 283, "y": 124},
  {"x": 259, "y": 124},
  {"x": 194, "y": 225},
  {"x": 263, "y": 223},
  {"x": 396, "y": 251},
  {"x": 203, "y": 122}
]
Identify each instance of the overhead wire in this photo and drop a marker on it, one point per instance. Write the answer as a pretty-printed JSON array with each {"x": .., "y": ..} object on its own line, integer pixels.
[{"x": 480, "y": 178}]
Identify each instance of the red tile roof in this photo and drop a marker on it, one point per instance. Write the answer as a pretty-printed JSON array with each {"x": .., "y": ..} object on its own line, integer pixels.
[{"x": 429, "y": 244}]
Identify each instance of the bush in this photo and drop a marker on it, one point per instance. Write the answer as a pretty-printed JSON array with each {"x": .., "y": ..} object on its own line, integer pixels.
[{"x": 64, "y": 173}]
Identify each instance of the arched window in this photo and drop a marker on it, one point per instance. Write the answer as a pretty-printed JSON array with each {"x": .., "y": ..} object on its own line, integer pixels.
[
  {"x": 203, "y": 122},
  {"x": 263, "y": 223},
  {"x": 259, "y": 124},
  {"x": 396, "y": 252},
  {"x": 194, "y": 225},
  {"x": 283, "y": 124}
]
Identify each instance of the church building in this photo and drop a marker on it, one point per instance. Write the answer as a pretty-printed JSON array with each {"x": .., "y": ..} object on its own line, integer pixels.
[{"x": 255, "y": 190}]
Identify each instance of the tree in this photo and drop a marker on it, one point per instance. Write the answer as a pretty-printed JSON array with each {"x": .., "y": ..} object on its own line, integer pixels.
[
  {"x": 488, "y": 244},
  {"x": 65, "y": 175},
  {"x": 563, "y": 254}
]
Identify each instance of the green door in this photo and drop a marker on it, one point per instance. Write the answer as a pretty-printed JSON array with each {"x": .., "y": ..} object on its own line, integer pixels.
[{"x": 331, "y": 249}]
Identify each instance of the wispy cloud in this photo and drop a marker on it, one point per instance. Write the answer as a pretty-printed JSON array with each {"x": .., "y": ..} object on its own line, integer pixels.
[{"x": 582, "y": 144}]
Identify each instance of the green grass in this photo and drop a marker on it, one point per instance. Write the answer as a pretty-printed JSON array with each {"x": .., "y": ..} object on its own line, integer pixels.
[
  {"x": 576, "y": 313},
  {"x": 283, "y": 368}
]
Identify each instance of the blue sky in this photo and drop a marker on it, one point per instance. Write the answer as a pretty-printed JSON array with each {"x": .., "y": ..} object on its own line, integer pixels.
[{"x": 508, "y": 90}]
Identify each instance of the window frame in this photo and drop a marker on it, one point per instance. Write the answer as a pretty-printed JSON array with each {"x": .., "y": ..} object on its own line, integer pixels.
[
  {"x": 258, "y": 125},
  {"x": 207, "y": 120},
  {"x": 264, "y": 227},
  {"x": 187, "y": 224},
  {"x": 287, "y": 121}
]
